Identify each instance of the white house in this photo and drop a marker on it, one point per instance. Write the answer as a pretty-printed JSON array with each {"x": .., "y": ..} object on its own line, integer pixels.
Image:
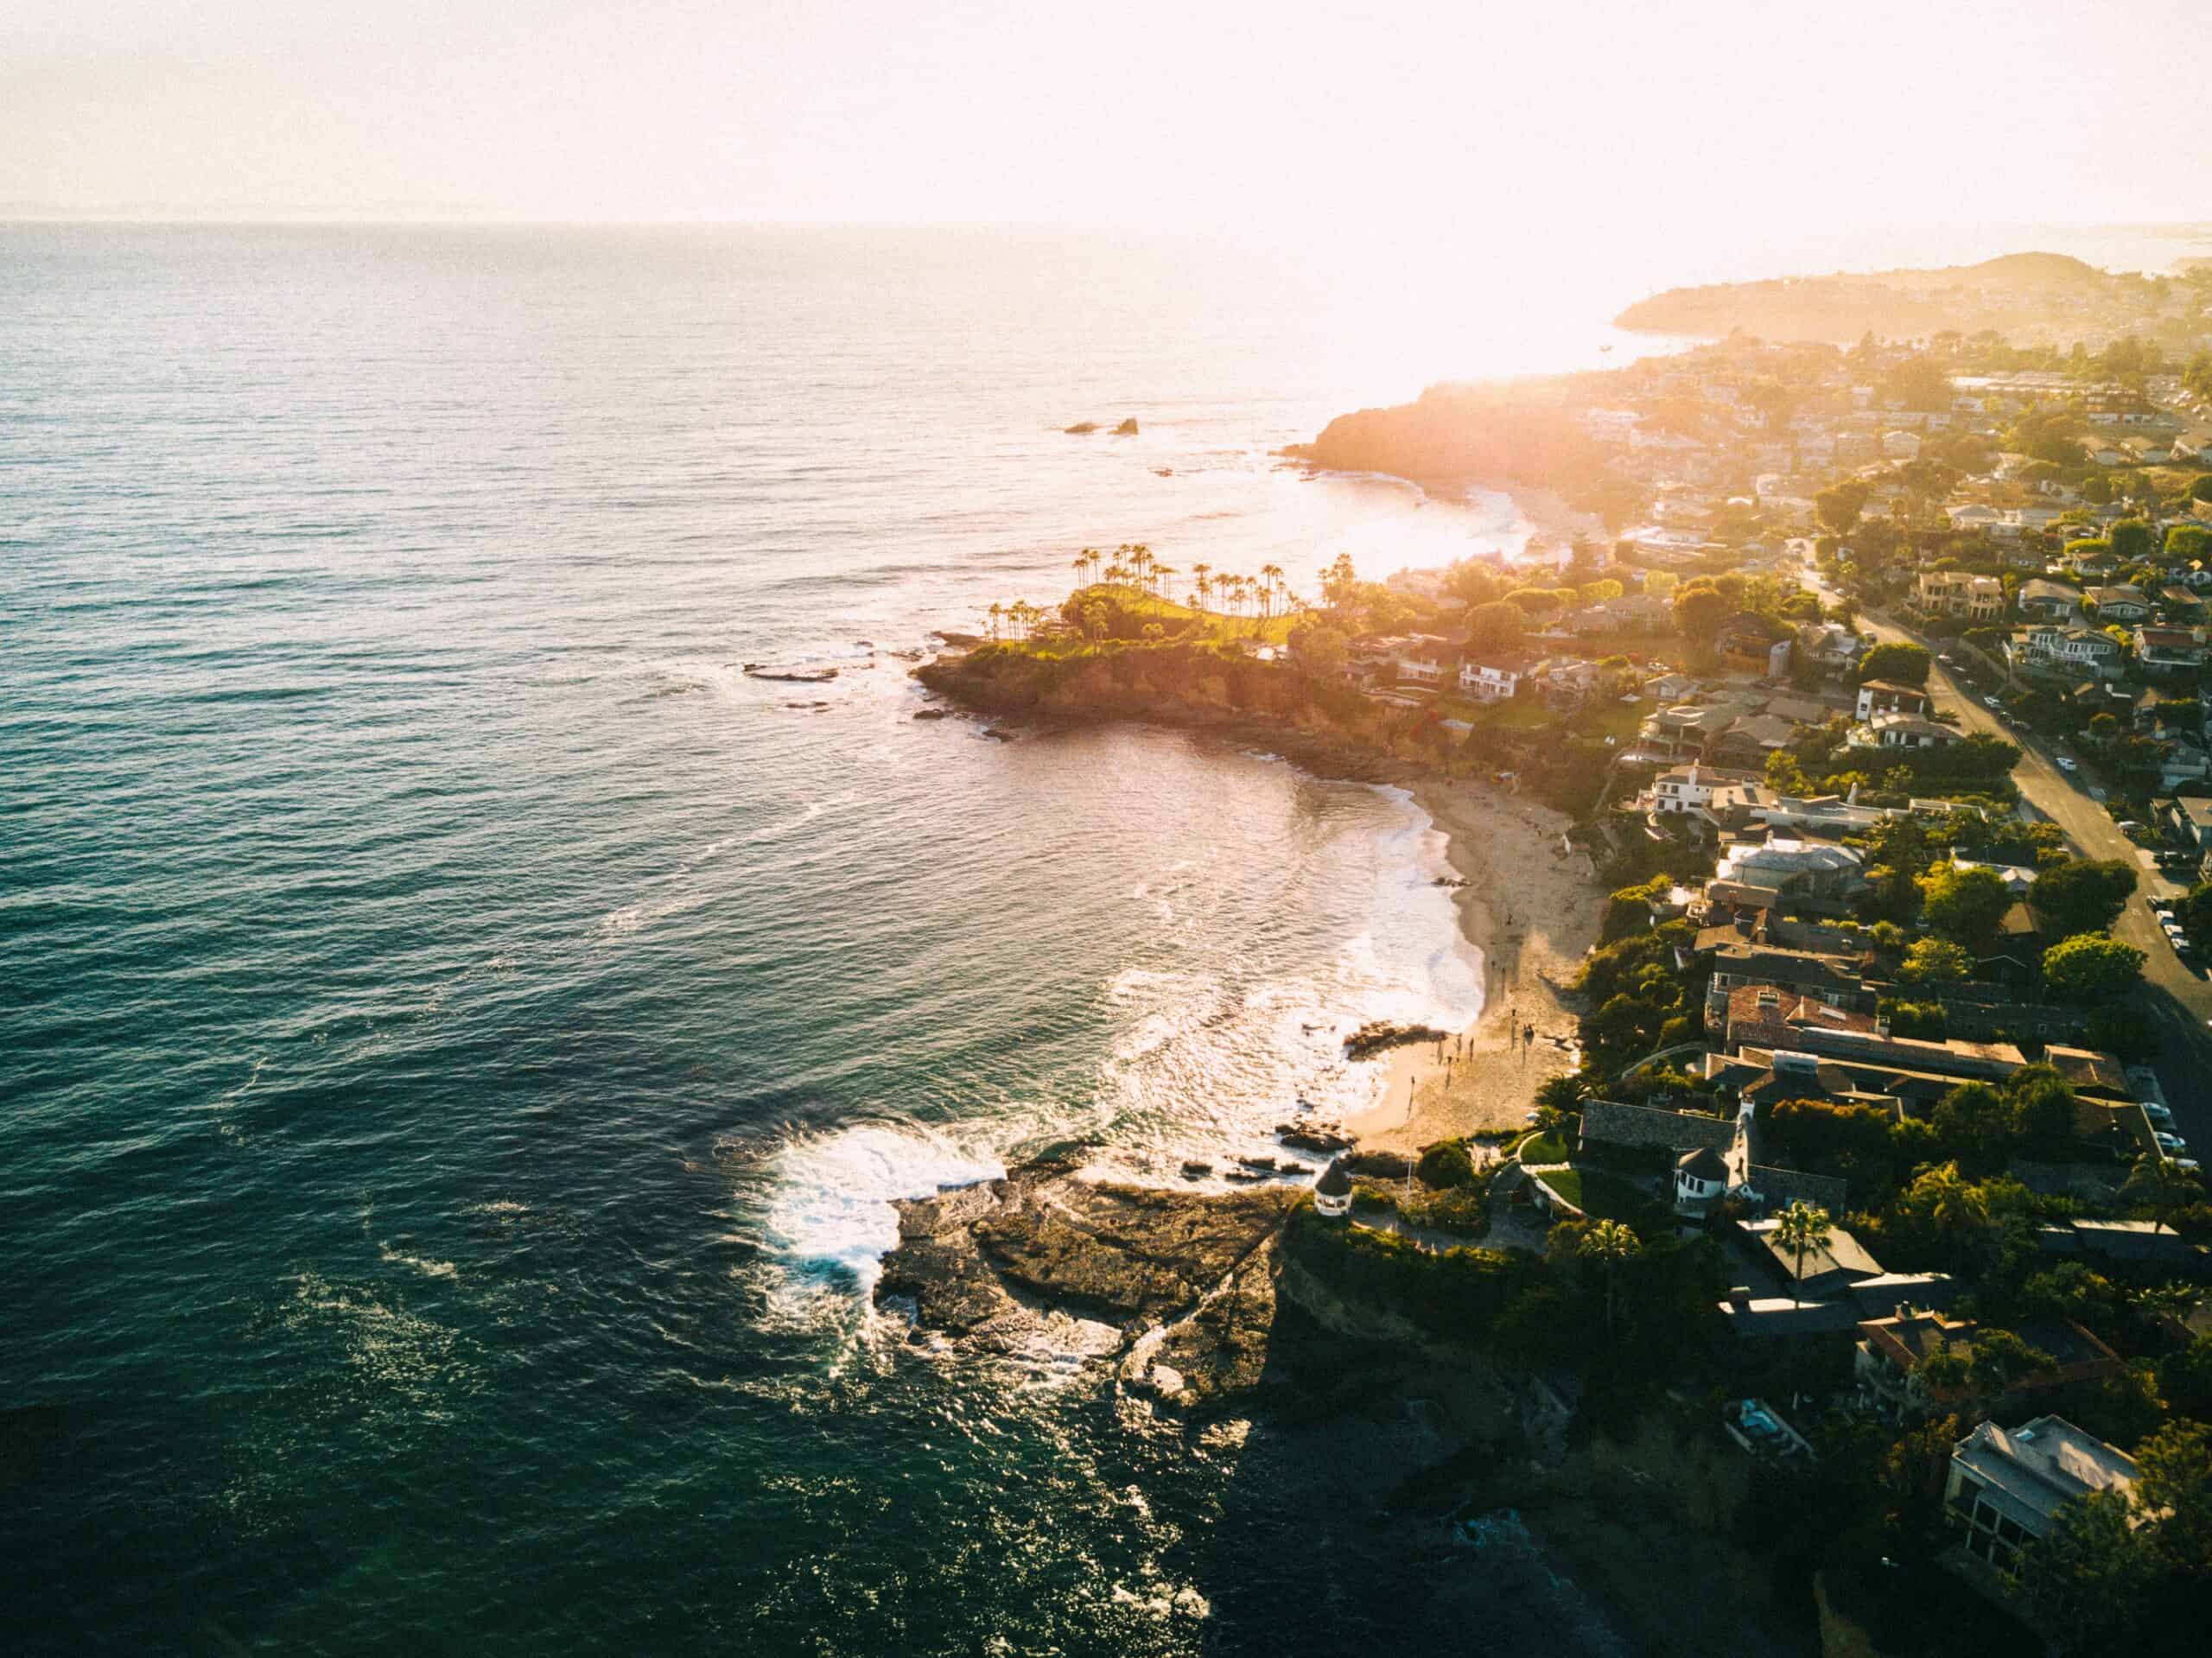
[
  {"x": 2159, "y": 649},
  {"x": 1688, "y": 787},
  {"x": 2006, "y": 1488},
  {"x": 1887, "y": 697},
  {"x": 2066, "y": 647},
  {"x": 1899, "y": 729},
  {"x": 1332, "y": 1191},
  {"x": 1487, "y": 684},
  {"x": 1701, "y": 1179}
]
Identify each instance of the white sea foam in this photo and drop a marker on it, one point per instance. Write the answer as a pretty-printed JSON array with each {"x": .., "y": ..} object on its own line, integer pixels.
[{"x": 831, "y": 1207}]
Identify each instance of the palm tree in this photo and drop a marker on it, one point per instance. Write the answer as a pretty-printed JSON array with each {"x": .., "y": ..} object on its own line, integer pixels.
[
  {"x": 1271, "y": 575},
  {"x": 995, "y": 613},
  {"x": 1164, "y": 576},
  {"x": 1952, "y": 1202},
  {"x": 1205, "y": 585},
  {"x": 1082, "y": 567},
  {"x": 1802, "y": 1228},
  {"x": 1610, "y": 1244},
  {"x": 2164, "y": 1185}
]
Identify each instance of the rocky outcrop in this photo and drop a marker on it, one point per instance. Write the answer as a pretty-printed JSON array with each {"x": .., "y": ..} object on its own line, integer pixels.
[
  {"x": 1381, "y": 1034},
  {"x": 1126, "y": 428},
  {"x": 1081, "y": 428},
  {"x": 1188, "y": 1277},
  {"x": 793, "y": 675}
]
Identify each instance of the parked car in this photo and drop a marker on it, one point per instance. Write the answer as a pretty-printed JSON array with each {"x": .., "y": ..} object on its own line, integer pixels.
[
  {"x": 2186, "y": 1165},
  {"x": 1991, "y": 702},
  {"x": 2163, "y": 1115},
  {"x": 2065, "y": 765},
  {"x": 2169, "y": 1143},
  {"x": 2163, "y": 905}
]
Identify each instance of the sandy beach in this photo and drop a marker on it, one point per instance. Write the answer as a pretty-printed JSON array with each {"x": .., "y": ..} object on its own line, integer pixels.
[{"x": 1531, "y": 907}]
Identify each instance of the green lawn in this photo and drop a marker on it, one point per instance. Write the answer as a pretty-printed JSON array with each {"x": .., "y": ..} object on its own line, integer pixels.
[
  {"x": 1545, "y": 1148},
  {"x": 1601, "y": 1196}
]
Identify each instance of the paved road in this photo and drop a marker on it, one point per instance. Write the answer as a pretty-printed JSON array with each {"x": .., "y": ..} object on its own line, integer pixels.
[{"x": 2176, "y": 996}]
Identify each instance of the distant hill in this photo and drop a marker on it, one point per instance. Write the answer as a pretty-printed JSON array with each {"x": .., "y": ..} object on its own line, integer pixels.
[{"x": 2019, "y": 296}]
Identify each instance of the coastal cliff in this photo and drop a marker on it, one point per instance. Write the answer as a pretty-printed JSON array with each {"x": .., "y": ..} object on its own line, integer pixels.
[
  {"x": 2016, "y": 295},
  {"x": 1328, "y": 729},
  {"x": 1520, "y": 433}
]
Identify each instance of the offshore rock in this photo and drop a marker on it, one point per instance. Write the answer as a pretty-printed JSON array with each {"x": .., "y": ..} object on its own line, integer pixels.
[
  {"x": 1081, "y": 428},
  {"x": 1126, "y": 428}
]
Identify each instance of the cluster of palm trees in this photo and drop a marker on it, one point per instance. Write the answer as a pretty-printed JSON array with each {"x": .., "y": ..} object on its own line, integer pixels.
[
  {"x": 1133, "y": 565},
  {"x": 1017, "y": 620}
]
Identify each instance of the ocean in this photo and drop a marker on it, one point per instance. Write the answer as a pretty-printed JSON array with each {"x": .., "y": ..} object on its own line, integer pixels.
[{"x": 461, "y": 1037}]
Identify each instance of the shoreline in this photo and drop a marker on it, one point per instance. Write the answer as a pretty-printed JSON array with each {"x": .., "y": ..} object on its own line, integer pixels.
[{"x": 1531, "y": 910}]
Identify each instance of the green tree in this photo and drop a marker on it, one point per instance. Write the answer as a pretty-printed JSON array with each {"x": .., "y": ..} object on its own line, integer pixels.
[
  {"x": 1935, "y": 960},
  {"x": 1897, "y": 664},
  {"x": 1612, "y": 1245},
  {"x": 2185, "y": 1377},
  {"x": 2089, "y": 1575},
  {"x": 1965, "y": 905},
  {"x": 2089, "y": 969},
  {"x": 2131, "y": 540},
  {"x": 1318, "y": 649},
  {"x": 2175, "y": 1484},
  {"x": 1801, "y": 1228},
  {"x": 2122, "y": 1029},
  {"x": 1495, "y": 626},
  {"x": 1840, "y": 505},
  {"x": 1699, "y": 610},
  {"x": 2156, "y": 1181},
  {"x": 2195, "y": 912},
  {"x": 1975, "y": 1121},
  {"x": 2186, "y": 541},
  {"x": 2082, "y": 895}
]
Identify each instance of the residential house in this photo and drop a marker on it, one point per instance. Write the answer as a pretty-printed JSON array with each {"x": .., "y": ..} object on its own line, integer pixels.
[
  {"x": 1902, "y": 730},
  {"x": 2049, "y": 600},
  {"x": 1956, "y": 593},
  {"x": 2064, "y": 648},
  {"x": 2120, "y": 604},
  {"x": 1485, "y": 683},
  {"x": 1829, "y": 646},
  {"x": 1826, "y": 1270},
  {"x": 1688, "y": 787},
  {"x": 1811, "y": 874},
  {"x": 1901, "y": 446},
  {"x": 2169, "y": 650},
  {"x": 2007, "y": 1487},
  {"x": 1891, "y": 1366},
  {"x": 1422, "y": 659},
  {"x": 1887, "y": 697}
]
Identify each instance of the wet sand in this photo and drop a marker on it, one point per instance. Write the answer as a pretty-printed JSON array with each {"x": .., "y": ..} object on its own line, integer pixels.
[{"x": 1531, "y": 907}]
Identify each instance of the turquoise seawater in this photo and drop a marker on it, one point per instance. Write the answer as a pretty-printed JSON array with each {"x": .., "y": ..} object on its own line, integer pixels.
[{"x": 460, "y": 1036}]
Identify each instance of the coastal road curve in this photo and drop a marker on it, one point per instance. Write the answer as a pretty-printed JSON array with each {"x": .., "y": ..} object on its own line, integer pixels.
[{"x": 2177, "y": 996}]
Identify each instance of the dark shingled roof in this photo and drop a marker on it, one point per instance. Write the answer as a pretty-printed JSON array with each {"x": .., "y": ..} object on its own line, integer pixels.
[
  {"x": 1334, "y": 1182},
  {"x": 1703, "y": 1164}
]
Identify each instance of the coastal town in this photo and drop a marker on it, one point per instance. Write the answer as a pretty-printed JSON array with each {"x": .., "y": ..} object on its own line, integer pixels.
[{"x": 1831, "y": 787}]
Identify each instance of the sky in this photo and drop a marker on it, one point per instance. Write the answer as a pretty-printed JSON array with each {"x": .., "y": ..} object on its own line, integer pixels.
[{"x": 1509, "y": 127}]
